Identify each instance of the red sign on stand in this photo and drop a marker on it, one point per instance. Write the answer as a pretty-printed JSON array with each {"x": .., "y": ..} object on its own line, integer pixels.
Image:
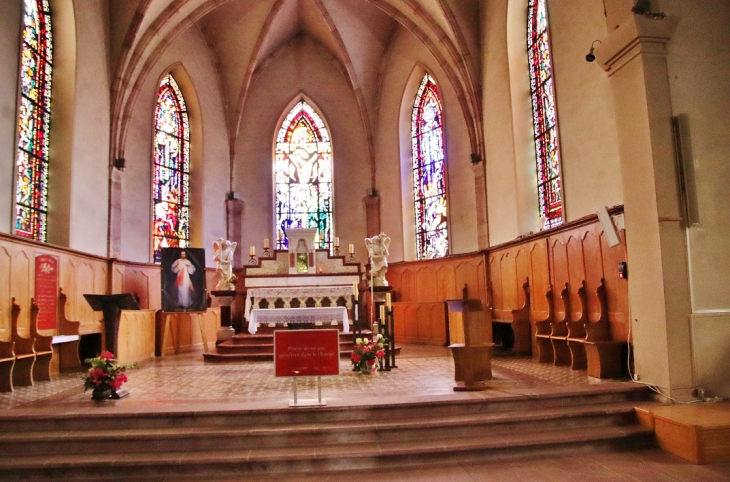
[
  {"x": 46, "y": 290},
  {"x": 306, "y": 353}
]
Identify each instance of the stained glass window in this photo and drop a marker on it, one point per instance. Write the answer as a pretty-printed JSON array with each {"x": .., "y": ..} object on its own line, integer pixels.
[
  {"x": 429, "y": 177},
  {"x": 544, "y": 115},
  {"x": 171, "y": 179},
  {"x": 31, "y": 193},
  {"x": 304, "y": 176}
]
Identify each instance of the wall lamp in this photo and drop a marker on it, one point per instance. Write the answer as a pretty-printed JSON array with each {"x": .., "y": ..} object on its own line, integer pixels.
[{"x": 590, "y": 57}]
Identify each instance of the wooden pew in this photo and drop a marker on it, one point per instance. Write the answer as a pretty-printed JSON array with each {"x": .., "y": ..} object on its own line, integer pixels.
[
  {"x": 24, "y": 352},
  {"x": 559, "y": 332},
  {"x": 577, "y": 332},
  {"x": 602, "y": 352},
  {"x": 42, "y": 347},
  {"x": 543, "y": 331},
  {"x": 7, "y": 362},
  {"x": 520, "y": 324},
  {"x": 69, "y": 339}
]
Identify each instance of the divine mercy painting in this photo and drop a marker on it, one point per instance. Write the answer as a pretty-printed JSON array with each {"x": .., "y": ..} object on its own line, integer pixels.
[{"x": 183, "y": 279}]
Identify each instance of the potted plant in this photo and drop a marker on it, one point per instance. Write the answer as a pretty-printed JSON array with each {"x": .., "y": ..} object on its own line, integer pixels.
[
  {"x": 106, "y": 376},
  {"x": 366, "y": 353}
]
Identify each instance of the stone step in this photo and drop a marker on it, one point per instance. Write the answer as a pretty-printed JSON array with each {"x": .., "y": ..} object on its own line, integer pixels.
[
  {"x": 111, "y": 417},
  {"x": 279, "y": 461},
  {"x": 337, "y": 433}
]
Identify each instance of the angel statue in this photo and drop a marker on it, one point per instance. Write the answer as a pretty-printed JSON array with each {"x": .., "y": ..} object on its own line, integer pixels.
[
  {"x": 378, "y": 252},
  {"x": 224, "y": 259}
]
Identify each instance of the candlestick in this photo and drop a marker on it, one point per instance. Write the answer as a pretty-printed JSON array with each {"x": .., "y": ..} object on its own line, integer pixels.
[
  {"x": 382, "y": 313},
  {"x": 337, "y": 242},
  {"x": 266, "y": 243},
  {"x": 354, "y": 290},
  {"x": 252, "y": 251},
  {"x": 388, "y": 300},
  {"x": 351, "y": 249}
]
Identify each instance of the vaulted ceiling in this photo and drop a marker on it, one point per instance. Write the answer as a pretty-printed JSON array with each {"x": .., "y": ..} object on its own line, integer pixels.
[{"x": 243, "y": 35}]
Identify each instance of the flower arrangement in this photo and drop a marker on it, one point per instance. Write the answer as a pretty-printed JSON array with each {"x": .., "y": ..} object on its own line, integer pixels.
[
  {"x": 106, "y": 376},
  {"x": 366, "y": 353}
]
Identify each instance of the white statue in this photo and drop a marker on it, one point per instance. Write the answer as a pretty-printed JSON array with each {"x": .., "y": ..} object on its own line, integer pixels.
[
  {"x": 378, "y": 252},
  {"x": 224, "y": 259}
]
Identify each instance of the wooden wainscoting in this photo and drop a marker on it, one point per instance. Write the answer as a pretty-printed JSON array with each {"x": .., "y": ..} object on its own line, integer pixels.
[
  {"x": 570, "y": 254},
  {"x": 421, "y": 288}
]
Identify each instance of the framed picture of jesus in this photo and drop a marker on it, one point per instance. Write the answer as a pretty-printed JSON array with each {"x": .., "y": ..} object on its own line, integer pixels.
[{"x": 183, "y": 280}]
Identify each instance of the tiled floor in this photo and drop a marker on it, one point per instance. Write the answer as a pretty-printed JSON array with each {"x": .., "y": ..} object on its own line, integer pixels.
[{"x": 184, "y": 382}]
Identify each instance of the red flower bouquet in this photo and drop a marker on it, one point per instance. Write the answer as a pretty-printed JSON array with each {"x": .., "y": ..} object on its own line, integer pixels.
[
  {"x": 366, "y": 353},
  {"x": 106, "y": 376}
]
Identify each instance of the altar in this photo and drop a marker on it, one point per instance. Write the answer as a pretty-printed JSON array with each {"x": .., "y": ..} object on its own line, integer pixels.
[{"x": 293, "y": 316}]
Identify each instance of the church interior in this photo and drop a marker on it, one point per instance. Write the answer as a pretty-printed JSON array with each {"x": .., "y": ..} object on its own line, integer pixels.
[{"x": 525, "y": 197}]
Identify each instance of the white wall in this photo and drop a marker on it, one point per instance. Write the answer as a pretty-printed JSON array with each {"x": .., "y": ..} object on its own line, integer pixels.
[{"x": 189, "y": 53}]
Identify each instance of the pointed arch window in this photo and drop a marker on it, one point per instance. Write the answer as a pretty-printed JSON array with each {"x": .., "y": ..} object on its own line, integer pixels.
[
  {"x": 429, "y": 176},
  {"x": 303, "y": 176},
  {"x": 171, "y": 177},
  {"x": 544, "y": 115},
  {"x": 34, "y": 120}
]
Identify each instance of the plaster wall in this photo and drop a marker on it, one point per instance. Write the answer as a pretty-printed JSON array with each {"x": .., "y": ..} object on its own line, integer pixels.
[
  {"x": 698, "y": 62},
  {"x": 10, "y": 20},
  {"x": 301, "y": 68},
  {"x": 190, "y": 58},
  {"x": 89, "y": 177},
  {"x": 407, "y": 63},
  {"x": 587, "y": 122}
]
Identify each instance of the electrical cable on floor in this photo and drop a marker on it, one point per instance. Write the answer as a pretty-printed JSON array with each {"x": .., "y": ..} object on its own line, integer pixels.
[{"x": 656, "y": 389}]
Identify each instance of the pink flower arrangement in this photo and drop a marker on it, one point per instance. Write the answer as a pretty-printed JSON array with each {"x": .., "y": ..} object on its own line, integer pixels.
[
  {"x": 106, "y": 375},
  {"x": 366, "y": 353}
]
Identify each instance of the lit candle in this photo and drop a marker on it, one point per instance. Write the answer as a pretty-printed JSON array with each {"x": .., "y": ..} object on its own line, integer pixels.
[
  {"x": 388, "y": 300},
  {"x": 351, "y": 249},
  {"x": 354, "y": 290},
  {"x": 252, "y": 251},
  {"x": 266, "y": 243},
  {"x": 382, "y": 312},
  {"x": 337, "y": 242}
]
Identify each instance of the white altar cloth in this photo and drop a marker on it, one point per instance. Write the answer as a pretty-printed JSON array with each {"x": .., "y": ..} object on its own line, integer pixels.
[
  {"x": 298, "y": 315},
  {"x": 299, "y": 292}
]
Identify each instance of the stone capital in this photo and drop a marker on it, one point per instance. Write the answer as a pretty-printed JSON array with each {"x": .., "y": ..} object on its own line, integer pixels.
[{"x": 639, "y": 34}]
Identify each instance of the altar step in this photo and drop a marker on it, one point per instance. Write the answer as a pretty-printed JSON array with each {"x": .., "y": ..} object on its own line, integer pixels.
[
  {"x": 260, "y": 347},
  {"x": 328, "y": 441}
]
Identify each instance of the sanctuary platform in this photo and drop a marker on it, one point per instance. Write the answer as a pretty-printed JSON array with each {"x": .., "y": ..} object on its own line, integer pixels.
[{"x": 186, "y": 420}]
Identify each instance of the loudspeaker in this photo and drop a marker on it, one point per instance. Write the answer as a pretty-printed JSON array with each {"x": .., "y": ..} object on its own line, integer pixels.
[
  {"x": 608, "y": 227},
  {"x": 119, "y": 163},
  {"x": 685, "y": 170}
]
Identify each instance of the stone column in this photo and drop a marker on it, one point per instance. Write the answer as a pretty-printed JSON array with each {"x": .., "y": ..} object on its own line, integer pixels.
[
  {"x": 114, "y": 242},
  {"x": 634, "y": 57},
  {"x": 480, "y": 188},
  {"x": 234, "y": 216},
  {"x": 372, "y": 213}
]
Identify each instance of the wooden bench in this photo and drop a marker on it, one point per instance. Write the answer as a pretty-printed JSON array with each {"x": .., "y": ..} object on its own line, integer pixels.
[
  {"x": 7, "y": 362},
  {"x": 577, "y": 332},
  {"x": 24, "y": 352},
  {"x": 543, "y": 330},
  {"x": 559, "y": 332},
  {"x": 69, "y": 337},
  {"x": 42, "y": 346},
  {"x": 602, "y": 352},
  {"x": 520, "y": 325}
]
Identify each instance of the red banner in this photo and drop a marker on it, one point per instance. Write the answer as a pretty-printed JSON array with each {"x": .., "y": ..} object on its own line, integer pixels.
[
  {"x": 306, "y": 353},
  {"x": 46, "y": 290}
]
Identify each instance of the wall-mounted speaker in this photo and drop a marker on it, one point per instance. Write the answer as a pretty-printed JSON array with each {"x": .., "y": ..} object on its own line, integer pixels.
[
  {"x": 608, "y": 227},
  {"x": 685, "y": 170},
  {"x": 119, "y": 163}
]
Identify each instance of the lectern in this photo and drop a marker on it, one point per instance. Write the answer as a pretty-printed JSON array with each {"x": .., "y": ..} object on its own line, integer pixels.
[
  {"x": 473, "y": 358},
  {"x": 111, "y": 306}
]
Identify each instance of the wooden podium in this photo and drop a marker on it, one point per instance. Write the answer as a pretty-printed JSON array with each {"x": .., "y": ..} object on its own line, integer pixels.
[
  {"x": 111, "y": 306},
  {"x": 473, "y": 358}
]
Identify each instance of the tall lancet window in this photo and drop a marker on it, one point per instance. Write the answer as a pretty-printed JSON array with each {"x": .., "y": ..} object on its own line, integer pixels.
[
  {"x": 544, "y": 115},
  {"x": 304, "y": 176},
  {"x": 171, "y": 177},
  {"x": 31, "y": 192},
  {"x": 429, "y": 176}
]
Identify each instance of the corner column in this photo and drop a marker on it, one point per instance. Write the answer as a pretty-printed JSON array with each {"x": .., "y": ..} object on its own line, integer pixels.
[
  {"x": 480, "y": 188},
  {"x": 234, "y": 214},
  {"x": 634, "y": 57}
]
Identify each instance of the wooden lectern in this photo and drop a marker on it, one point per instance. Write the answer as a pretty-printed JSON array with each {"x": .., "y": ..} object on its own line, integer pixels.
[
  {"x": 111, "y": 306},
  {"x": 473, "y": 358}
]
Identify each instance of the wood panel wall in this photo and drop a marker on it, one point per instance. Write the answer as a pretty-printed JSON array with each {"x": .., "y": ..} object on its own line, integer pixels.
[
  {"x": 571, "y": 254},
  {"x": 421, "y": 288}
]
